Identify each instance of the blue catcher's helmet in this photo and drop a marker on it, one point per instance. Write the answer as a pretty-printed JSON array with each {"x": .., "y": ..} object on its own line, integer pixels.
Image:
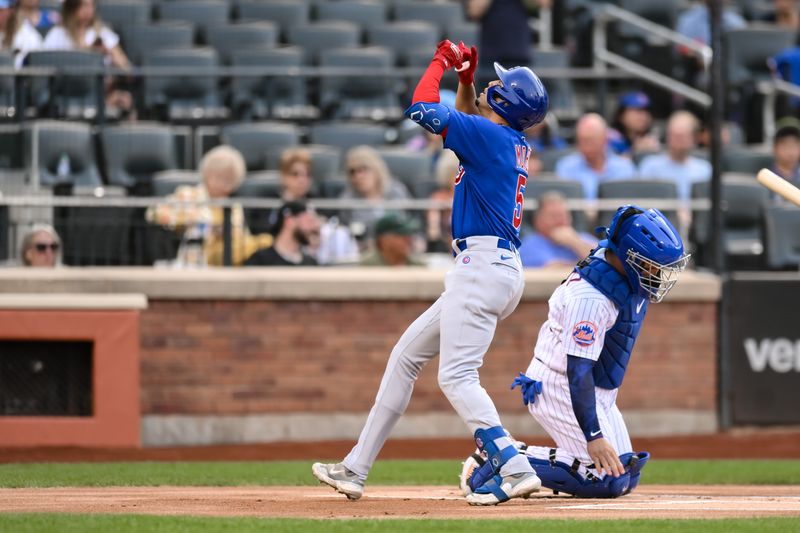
[
  {"x": 521, "y": 99},
  {"x": 650, "y": 248}
]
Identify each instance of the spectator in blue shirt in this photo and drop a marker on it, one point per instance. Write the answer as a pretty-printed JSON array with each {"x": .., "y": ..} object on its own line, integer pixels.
[
  {"x": 693, "y": 22},
  {"x": 786, "y": 151},
  {"x": 593, "y": 162},
  {"x": 677, "y": 163},
  {"x": 554, "y": 240},
  {"x": 632, "y": 126}
]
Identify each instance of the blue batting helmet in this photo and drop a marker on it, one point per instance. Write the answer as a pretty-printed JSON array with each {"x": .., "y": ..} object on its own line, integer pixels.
[
  {"x": 521, "y": 99},
  {"x": 650, "y": 248}
]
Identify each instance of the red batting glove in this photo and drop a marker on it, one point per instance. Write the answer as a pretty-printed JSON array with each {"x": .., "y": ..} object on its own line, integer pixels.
[
  {"x": 466, "y": 72},
  {"x": 448, "y": 54}
]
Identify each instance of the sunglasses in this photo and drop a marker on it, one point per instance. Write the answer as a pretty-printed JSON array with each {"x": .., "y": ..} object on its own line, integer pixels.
[
  {"x": 355, "y": 170},
  {"x": 42, "y": 247}
]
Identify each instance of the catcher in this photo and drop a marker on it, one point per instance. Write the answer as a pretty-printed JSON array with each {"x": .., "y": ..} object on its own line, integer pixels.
[{"x": 581, "y": 356}]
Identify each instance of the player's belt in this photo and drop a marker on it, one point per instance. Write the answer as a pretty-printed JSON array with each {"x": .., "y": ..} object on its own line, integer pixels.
[{"x": 463, "y": 244}]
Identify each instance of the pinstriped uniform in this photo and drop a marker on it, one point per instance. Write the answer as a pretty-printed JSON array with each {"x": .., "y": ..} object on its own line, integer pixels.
[{"x": 576, "y": 324}]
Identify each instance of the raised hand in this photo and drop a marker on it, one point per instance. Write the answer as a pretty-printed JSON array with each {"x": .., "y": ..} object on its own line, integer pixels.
[
  {"x": 466, "y": 71},
  {"x": 448, "y": 54}
]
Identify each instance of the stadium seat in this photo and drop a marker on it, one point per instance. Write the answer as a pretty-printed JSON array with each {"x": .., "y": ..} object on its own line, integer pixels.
[
  {"x": 67, "y": 96},
  {"x": 346, "y": 135},
  {"x": 572, "y": 190},
  {"x": 260, "y": 185},
  {"x": 404, "y": 37},
  {"x": 365, "y": 13},
  {"x": 121, "y": 15},
  {"x": 369, "y": 98},
  {"x": 663, "y": 12},
  {"x": 333, "y": 188},
  {"x": 144, "y": 40},
  {"x": 743, "y": 202},
  {"x": 271, "y": 96},
  {"x": 65, "y": 143},
  {"x": 201, "y": 13},
  {"x": 407, "y": 166},
  {"x": 744, "y": 161},
  {"x": 560, "y": 90},
  {"x": 317, "y": 37},
  {"x": 644, "y": 189},
  {"x": 180, "y": 97},
  {"x": 285, "y": 13},
  {"x": 469, "y": 32},
  {"x": 747, "y": 51},
  {"x": 550, "y": 157},
  {"x": 7, "y": 91},
  {"x": 424, "y": 188},
  {"x": 782, "y": 237},
  {"x": 10, "y": 146},
  {"x": 255, "y": 140},
  {"x": 133, "y": 153},
  {"x": 325, "y": 161},
  {"x": 227, "y": 39},
  {"x": 166, "y": 181},
  {"x": 441, "y": 14}
]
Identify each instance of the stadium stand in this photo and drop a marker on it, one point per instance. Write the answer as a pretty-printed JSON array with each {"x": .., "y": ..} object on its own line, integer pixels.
[
  {"x": 782, "y": 237},
  {"x": 134, "y": 153}
]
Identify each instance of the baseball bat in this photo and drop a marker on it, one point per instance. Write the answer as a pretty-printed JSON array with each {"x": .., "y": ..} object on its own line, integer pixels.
[{"x": 778, "y": 185}]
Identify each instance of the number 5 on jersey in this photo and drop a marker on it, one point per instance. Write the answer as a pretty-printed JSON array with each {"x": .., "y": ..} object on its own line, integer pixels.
[{"x": 520, "y": 199}]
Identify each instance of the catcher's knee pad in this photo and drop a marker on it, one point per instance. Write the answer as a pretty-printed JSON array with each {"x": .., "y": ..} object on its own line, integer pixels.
[
  {"x": 560, "y": 477},
  {"x": 633, "y": 463}
]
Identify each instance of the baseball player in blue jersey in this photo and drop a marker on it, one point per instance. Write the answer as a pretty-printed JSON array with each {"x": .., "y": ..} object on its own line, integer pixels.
[
  {"x": 486, "y": 282},
  {"x": 581, "y": 355}
]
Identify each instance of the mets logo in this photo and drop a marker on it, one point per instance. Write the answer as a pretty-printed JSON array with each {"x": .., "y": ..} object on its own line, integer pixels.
[
  {"x": 466, "y": 260},
  {"x": 584, "y": 333}
]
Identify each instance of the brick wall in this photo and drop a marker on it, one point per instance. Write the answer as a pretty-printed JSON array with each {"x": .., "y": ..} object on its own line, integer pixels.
[{"x": 249, "y": 357}]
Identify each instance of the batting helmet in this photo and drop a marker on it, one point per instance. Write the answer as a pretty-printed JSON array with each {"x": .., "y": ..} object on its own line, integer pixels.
[
  {"x": 650, "y": 248},
  {"x": 521, "y": 99}
]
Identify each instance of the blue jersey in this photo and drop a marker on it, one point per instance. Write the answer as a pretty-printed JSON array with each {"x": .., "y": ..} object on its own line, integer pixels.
[{"x": 490, "y": 185}]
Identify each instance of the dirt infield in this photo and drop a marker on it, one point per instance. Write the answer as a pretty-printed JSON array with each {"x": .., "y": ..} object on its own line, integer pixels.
[
  {"x": 653, "y": 501},
  {"x": 738, "y": 444}
]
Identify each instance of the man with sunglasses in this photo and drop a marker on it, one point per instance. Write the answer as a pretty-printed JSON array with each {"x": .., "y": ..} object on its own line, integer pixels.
[
  {"x": 41, "y": 247},
  {"x": 486, "y": 132},
  {"x": 581, "y": 355}
]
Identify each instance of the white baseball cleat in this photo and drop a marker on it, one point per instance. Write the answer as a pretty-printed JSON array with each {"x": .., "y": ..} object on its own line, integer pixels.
[
  {"x": 340, "y": 478},
  {"x": 514, "y": 486}
]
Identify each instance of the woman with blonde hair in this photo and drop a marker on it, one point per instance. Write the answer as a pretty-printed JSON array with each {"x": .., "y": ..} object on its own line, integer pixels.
[
  {"x": 23, "y": 26},
  {"x": 368, "y": 178},
  {"x": 41, "y": 247},
  {"x": 222, "y": 171}
]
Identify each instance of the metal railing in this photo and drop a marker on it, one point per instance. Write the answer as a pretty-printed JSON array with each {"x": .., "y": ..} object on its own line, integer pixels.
[
  {"x": 609, "y": 13},
  {"x": 771, "y": 90}
]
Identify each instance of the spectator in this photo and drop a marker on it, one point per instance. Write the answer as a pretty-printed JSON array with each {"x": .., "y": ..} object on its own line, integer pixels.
[
  {"x": 222, "y": 170},
  {"x": 678, "y": 164},
  {"x": 505, "y": 35},
  {"x": 41, "y": 247},
  {"x": 368, "y": 179},
  {"x": 23, "y": 28},
  {"x": 544, "y": 135},
  {"x": 554, "y": 241},
  {"x": 394, "y": 242},
  {"x": 81, "y": 29},
  {"x": 632, "y": 125},
  {"x": 786, "y": 14},
  {"x": 439, "y": 232},
  {"x": 786, "y": 151},
  {"x": 593, "y": 162},
  {"x": 296, "y": 184},
  {"x": 694, "y": 22},
  {"x": 297, "y": 228}
]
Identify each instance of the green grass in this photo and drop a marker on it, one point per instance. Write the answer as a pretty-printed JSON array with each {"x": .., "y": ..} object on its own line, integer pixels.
[
  {"x": 384, "y": 473},
  {"x": 44, "y": 523}
]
